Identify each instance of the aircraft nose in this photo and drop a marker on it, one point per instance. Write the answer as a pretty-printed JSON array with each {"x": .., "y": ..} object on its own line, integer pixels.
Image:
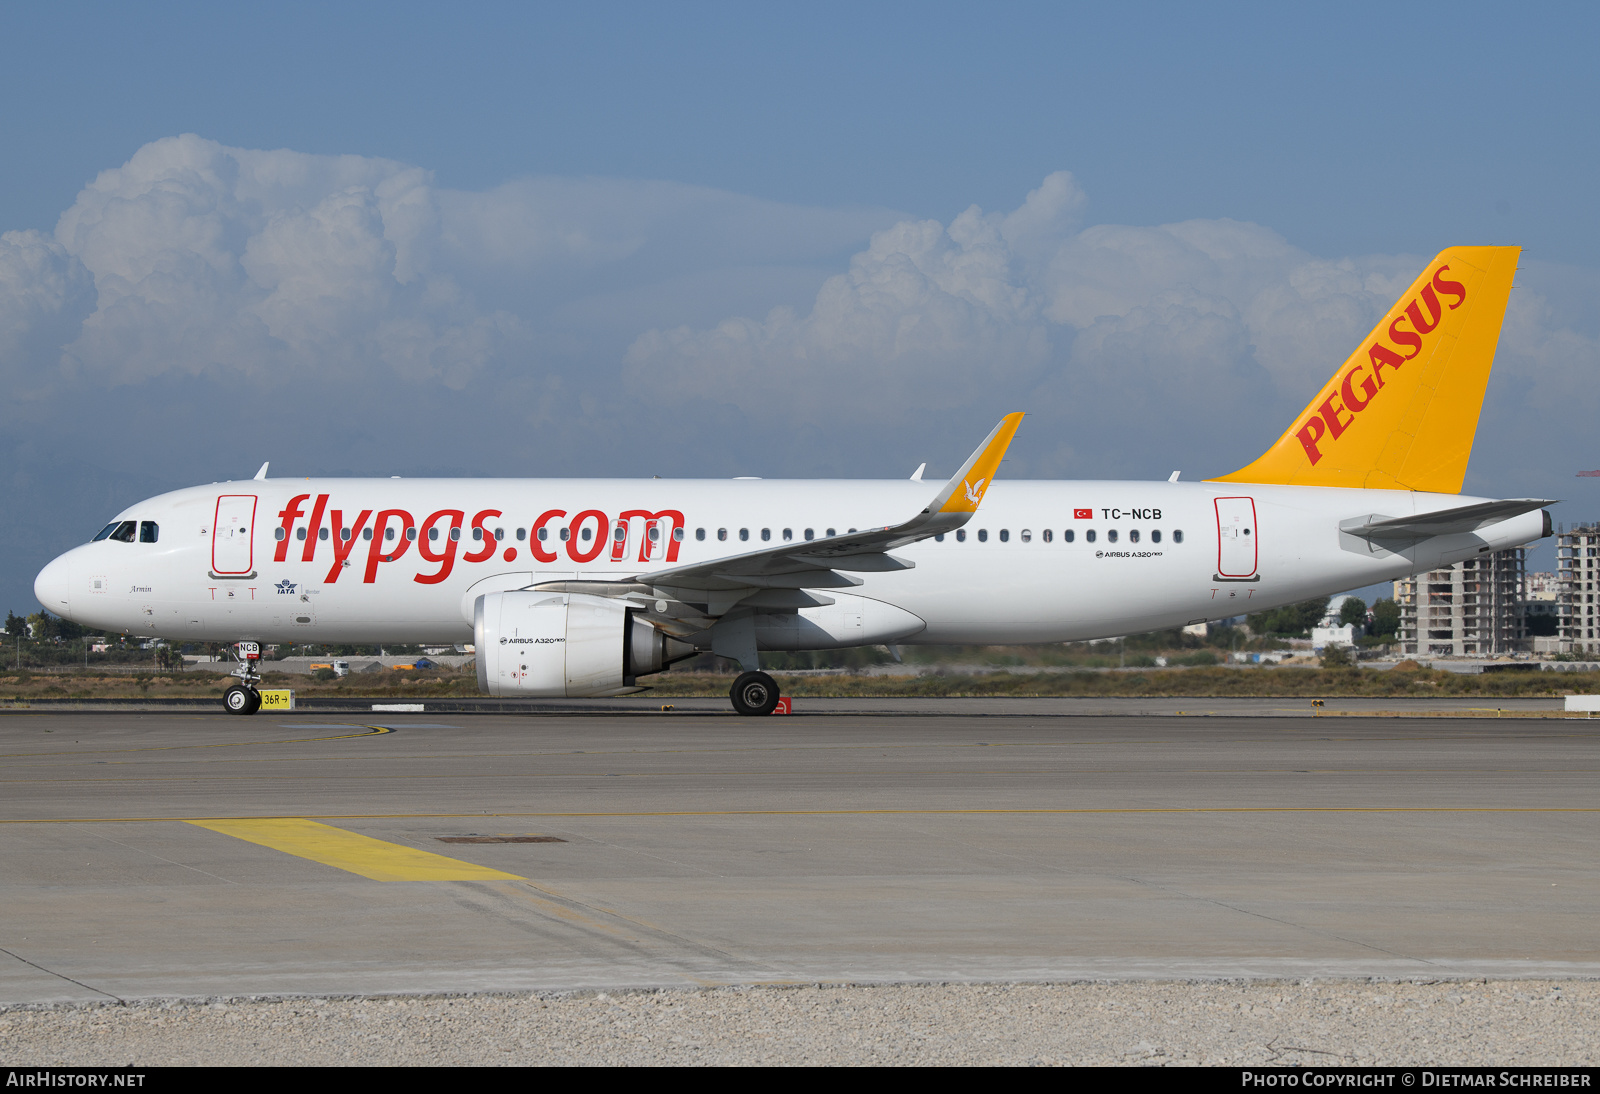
[{"x": 53, "y": 587}]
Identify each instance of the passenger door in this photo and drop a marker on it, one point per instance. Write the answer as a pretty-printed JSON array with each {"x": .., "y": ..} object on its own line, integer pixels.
[
  {"x": 1237, "y": 550},
  {"x": 233, "y": 535}
]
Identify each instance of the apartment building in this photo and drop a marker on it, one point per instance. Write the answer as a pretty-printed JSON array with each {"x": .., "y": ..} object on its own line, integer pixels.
[
  {"x": 1471, "y": 609},
  {"x": 1577, "y": 572}
]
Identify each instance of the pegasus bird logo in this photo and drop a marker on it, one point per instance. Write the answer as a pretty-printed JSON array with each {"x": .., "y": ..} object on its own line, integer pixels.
[{"x": 974, "y": 493}]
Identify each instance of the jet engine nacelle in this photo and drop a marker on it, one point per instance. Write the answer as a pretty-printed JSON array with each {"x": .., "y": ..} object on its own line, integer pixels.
[{"x": 551, "y": 645}]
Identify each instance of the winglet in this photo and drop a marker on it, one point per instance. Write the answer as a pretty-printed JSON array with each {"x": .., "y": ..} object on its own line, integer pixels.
[{"x": 963, "y": 492}]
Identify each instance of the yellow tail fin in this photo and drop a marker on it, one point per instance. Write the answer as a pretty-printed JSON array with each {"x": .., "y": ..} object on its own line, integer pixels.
[{"x": 1401, "y": 413}]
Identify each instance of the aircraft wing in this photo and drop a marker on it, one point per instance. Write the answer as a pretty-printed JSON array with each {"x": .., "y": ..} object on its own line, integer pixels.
[
  {"x": 826, "y": 563},
  {"x": 1444, "y": 522}
]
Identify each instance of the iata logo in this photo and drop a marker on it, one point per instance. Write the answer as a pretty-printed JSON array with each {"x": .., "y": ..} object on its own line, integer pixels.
[
  {"x": 1363, "y": 383},
  {"x": 285, "y": 587}
]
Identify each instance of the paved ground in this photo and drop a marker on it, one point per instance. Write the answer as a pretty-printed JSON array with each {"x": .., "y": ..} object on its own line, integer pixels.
[
  {"x": 977, "y": 707},
  {"x": 707, "y": 850},
  {"x": 1542, "y": 1024}
]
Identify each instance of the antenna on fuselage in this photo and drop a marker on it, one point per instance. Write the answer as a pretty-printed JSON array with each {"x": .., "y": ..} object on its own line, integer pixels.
[{"x": 262, "y": 474}]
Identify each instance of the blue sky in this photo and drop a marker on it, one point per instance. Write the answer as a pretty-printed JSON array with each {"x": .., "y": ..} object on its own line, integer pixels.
[{"x": 507, "y": 223}]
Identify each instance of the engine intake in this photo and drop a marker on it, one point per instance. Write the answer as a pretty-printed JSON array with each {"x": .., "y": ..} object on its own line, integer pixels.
[{"x": 554, "y": 645}]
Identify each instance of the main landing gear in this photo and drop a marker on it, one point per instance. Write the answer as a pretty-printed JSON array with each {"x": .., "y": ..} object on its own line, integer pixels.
[
  {"x": 754, "y": 693},
  {"x": 245, "y": 696}
]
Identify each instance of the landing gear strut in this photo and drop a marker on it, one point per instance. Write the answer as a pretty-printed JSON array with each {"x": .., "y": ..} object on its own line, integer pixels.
[
  {"x": 754, "y": 693},
  {"x": 245, "y": 696}
]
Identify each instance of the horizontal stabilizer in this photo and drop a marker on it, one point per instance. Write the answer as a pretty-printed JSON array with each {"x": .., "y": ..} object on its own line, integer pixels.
[{"x": 1445, "y": 522}]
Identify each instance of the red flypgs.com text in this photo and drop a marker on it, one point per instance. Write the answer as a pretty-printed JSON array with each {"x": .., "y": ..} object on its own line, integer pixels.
[
  {"x": 1364, "y": 382},
  {"x": 446, "y": 536}
]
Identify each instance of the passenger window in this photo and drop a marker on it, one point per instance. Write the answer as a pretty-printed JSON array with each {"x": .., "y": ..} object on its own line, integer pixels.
[
  {"x": 1177, "y": 536},
  {"x": 522, "y": 534},
  {"x": 831, "y": 533},
  {"x": 1048, "y": 535},
  {"x": 455, "y": 533},
  {"x": 983, "y": 535},
  {"x": 939, "y": 538},
  {"x": 1068, "y": 536},
  {"x": 1133, "y": 536},
  {"x": 1088, "y": 537},
  {"x": 620, "y": 534},
  {"x": 544, "y": 533},
  {"x": 810, "y": 535},
  {"x": 366, "y": 533},
  {"x": 500, "y": 533},
  {"x": 677, "y": 534},
  {"x": 744, "y": 533},
  {"x": 788, "y": 534},
  {"x": 961, "y": 535},
  {"x": 433, "y": 533},
  {"x": 566, "y": 534},
  {"x": 477, "y": 534},
  {"x": 300, "y": 534},
  {"x": 722, "y": 534},
  {"x": 653, "y": 532},
  {"x": 322, "y": 533},
  {"x": 411, "y": 533},
  {"x": 1155, "y": 535},
  {"x": 1027, "y": 536},
  {"x": 699, "y": 533},
  {"x": 1005, "y": 535},
  {"x": 344, "y": 533},
  {"x": 277, "y": 533},
  {"x": 388, "y": 533},
  {"x": 766, "y": 534},
  {"x": 586, "y": 533},
  {"x": 1111, "y": 536}
]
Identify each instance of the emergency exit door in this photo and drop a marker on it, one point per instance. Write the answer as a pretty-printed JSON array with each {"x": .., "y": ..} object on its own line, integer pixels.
[{"x": 1237, "y": 549}]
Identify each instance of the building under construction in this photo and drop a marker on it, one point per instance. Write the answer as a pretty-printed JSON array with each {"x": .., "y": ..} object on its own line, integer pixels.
[
  {"x": 1471, "y": 609},
  {"x": 1577, "y": 555}
]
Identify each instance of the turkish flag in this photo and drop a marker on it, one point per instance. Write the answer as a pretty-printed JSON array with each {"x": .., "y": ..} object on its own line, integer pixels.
[{"x": 1083, "y": 514}]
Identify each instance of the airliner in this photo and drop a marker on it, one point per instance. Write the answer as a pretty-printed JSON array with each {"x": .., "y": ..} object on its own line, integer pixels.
[{"x": 586, "y": 587}]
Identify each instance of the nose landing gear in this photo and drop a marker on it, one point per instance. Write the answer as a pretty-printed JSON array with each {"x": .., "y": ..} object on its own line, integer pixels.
[
  {"x": 241, "y": 700},
  {"x": 245, "y": 696}
]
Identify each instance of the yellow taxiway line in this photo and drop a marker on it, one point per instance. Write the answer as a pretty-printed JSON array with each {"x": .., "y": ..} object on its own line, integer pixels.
[{"x": 371, "y": 858}]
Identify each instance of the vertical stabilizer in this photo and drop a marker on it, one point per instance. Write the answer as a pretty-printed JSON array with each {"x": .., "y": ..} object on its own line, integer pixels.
[{"x": 1402, "y": 411}]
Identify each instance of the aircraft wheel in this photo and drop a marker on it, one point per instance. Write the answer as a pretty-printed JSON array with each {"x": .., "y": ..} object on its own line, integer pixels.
[
  {"x": 241, "y": 700},
  {"x": 754, "y": 693}
]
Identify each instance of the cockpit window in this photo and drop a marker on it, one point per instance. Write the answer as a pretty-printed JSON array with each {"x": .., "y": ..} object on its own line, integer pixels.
[
  {"x": 124, "y": 530},
  {"x": 106, "y": 531},
  {"x": 149, "y": 531}
]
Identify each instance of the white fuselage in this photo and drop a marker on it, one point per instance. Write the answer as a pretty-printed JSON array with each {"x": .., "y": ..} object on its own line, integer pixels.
[{"x": 1039, "y": 562}]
